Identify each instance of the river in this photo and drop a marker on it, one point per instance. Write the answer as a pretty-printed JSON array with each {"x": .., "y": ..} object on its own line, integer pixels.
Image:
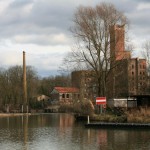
[{"x": 62, "y": 132}]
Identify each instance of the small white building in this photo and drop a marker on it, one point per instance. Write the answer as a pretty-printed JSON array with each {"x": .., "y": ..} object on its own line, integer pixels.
[
  {"x": 65, "y": 94},
  {"x": 122, "y": 102}
]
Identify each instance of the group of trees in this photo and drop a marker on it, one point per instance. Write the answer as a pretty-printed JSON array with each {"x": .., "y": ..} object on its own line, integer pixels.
[
  {"x": 48, "y": 83},
  {"x": 11, "y": 86}
]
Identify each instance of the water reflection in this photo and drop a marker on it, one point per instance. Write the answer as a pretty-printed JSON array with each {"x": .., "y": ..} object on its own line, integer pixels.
[
  {"x": 25, "y": 131},
  {"x": 61, "y": 131}
]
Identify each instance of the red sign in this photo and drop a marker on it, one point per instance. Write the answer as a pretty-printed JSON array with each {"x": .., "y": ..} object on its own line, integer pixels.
[{"x": 100, "y": 100}]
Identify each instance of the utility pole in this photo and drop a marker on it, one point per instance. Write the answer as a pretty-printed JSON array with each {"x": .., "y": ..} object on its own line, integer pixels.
[{"x": 24, "y": 85}]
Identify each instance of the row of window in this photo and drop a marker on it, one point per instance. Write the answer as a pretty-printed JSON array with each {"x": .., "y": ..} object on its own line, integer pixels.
[
  {"x": 65, "y": 95},
  {"x": 69, "y": 95},
  {"x": 140, "y": 78},
  {"x": 141, "y": 66},
  {"x": 140, "y": 85},
  {"x": 141, "y": 73}
]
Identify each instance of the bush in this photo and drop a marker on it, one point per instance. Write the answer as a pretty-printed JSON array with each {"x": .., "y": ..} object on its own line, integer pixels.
[
  {"x": 117, "y": 111},
  {"x": 84, "y": 107}
]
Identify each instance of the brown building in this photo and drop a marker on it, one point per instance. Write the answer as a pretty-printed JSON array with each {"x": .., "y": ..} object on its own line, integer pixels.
[
  {"x": 128, "y": 77},
  {"x": 84, "y": 80},
  {"x": 117, "y": 44}
]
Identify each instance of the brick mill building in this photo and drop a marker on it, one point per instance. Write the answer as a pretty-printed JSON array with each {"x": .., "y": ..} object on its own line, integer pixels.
[{"x": 128, "y": 77}]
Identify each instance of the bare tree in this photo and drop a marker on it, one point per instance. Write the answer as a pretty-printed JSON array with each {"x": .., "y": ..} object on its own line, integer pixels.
[
  {"x": 146, "y": 54},
  {"x": 92, "y": 30},
  {"x": 47, "y": 84},
  {"x": 11, "y": 91}
]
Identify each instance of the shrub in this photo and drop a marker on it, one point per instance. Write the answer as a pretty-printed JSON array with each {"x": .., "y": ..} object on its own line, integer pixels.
[
  {"x": 84, "y": 107},
  {"x": 141, "y": 115},
  {"x": 117, "y": 111}
]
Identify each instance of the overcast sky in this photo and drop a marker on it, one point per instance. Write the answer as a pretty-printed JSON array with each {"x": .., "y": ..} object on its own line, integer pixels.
[{"x": 41, "y": 29}]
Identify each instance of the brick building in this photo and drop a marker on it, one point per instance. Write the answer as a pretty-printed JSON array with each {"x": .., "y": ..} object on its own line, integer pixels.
[
  {"x": 128, "y": 77},
  {"x": 84, "y": 81}
]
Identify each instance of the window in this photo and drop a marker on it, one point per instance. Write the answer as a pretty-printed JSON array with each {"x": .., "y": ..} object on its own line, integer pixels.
[
  {"x": 78, "y": 95},
  {"x": 140, "y": 66},
  {"x": 67, "y": 95},
  {"x": 63, "y": 95}
]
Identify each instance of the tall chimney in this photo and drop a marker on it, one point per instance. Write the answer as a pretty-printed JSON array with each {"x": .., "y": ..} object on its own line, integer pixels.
[{"x": 24, "y": 81}]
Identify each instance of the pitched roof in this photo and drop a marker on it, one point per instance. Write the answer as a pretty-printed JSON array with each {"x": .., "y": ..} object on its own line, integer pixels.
[{"x": 67, "y": 89}]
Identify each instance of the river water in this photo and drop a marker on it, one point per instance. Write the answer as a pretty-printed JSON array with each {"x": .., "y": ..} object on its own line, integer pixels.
[{"x": 62, "y": 132}]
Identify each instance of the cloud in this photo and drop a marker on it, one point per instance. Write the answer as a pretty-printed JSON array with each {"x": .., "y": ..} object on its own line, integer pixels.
[
  {"x": 143, "y": 6},
  {"x": 42, "y": 39},
  {"x": 9, "y": 59},
  {"x": 36, "y": 20},
  {"x": 41, "y": 28}
]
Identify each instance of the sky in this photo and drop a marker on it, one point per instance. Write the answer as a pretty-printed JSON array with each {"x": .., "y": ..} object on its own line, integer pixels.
[{"x": 41, "y": 29}]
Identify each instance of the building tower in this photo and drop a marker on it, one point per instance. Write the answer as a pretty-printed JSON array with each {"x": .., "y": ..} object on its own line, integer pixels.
[
  {"x": 117, "y": 43},
  {"x": 129, "y": 74}
]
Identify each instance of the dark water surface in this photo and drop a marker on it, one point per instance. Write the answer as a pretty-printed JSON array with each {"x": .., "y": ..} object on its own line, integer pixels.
[{"x": 61, "y": 132}]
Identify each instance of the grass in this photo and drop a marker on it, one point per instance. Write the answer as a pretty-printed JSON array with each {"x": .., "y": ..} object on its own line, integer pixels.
[
  {"x": 108, "y": 118},
  {"x": 138, "y": 115},
  {"x": 141, "y": 115}
]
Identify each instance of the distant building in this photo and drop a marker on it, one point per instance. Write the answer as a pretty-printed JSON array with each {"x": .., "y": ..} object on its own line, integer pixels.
[
  {"x": 65, "y": 95},
  {"x": 43, "y": 98},
  {"x": 84, "y": 80},
  {"x": 122, "y": 102},
  {"x": 129, "y": 76}
]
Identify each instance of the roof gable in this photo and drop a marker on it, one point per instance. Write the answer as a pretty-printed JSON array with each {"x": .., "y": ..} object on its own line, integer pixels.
[{"x": 67, "y": 89}]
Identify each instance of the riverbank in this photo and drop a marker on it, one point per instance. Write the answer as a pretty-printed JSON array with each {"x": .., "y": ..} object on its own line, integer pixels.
[
  {"x": 117, "y": 115},
  {"x": 13, "y": 114}
]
